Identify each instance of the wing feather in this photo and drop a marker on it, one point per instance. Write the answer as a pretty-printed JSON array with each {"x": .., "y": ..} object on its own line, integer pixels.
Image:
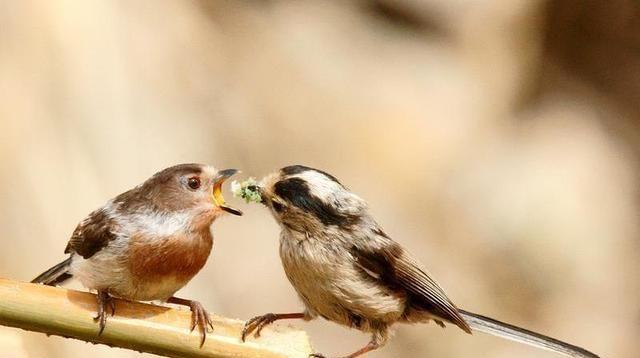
[
  {"x": 386, "y": 261},
  {"x": 91, "y": 235}
]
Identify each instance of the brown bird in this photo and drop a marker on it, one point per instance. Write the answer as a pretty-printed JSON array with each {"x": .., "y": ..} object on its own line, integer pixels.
[
  {"x": 347, "y": 270},
  {"x": 147, "y": 243}
]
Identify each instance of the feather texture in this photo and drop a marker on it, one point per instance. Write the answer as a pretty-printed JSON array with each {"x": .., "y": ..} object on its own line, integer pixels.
[
  {"x": 504, "y": 330},
  {"x": 396, "y": 269},
  {"x": 55, "y": 275},
  {"x": 346, "y": 269}
]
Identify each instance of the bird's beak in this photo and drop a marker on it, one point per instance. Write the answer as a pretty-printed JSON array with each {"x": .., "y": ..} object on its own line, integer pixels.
[{"x": 216, "y": 194}]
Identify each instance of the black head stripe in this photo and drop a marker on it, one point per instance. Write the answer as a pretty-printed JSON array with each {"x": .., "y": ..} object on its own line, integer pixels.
[
  {"x": 297, "y": 169},
  {"x": 296, "y": 191}
]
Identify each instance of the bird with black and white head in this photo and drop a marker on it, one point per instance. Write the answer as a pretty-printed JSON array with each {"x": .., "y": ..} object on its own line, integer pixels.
[{"x": 346, "y": 269}]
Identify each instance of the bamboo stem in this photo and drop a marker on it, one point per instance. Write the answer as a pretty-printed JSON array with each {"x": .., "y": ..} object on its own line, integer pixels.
[{"x": 138, "y": 326}]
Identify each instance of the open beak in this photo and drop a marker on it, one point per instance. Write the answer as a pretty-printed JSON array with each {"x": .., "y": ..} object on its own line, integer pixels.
[{"x": 216, "y": 194}]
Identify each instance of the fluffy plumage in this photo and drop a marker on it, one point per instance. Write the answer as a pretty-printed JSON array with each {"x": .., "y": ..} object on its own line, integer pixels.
[
  {"x": 346, "y": 269},
  {"x": 148, "y": 242}
]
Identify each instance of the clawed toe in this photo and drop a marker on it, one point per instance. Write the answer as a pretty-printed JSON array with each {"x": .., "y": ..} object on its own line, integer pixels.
[
  {"x": 102, "y": 319},
  {"x": 257, "y": 324},
  {"x": 104, "y": 299},
  {"x": 200, "y": 318}
]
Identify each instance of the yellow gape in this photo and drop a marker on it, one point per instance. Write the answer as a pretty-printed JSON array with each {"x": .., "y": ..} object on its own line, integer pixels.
[{"x": 216, "y": 194}]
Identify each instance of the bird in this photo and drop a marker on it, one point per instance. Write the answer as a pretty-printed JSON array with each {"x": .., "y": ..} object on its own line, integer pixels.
[
  {"x": 148, "y": 242},
  {"x": 348, "y": 270}
]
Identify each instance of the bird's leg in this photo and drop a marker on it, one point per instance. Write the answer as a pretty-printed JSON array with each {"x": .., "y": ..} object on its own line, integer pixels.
[
  {"x": 104, "y": 299},
  {"x": 259, "y": 322},
  {"x": 378, "y": 340},
  {"x": 199, "y": 316}
]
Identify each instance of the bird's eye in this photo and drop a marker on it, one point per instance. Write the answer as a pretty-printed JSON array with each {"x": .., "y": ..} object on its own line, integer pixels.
[
  {"x": 193, "y": 183},
  {"x": 277, "y": 206}
]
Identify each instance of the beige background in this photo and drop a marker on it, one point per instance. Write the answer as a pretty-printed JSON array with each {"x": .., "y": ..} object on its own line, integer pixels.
[{"x": 498, "y": 140}]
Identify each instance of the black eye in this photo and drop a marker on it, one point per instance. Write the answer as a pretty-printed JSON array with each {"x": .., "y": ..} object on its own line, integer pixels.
[
  {"x": 193, "y": 183},
  {"x": 277, "y": 206}
]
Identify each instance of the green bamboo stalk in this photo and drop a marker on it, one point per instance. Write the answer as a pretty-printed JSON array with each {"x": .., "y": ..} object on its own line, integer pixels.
[{"x": 138, "y": 326}]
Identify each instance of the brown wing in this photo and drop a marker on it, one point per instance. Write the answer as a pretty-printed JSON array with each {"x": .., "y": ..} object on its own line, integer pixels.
[
  {"x": 395, "y": 268},
  {"x": 91, "y": 235}
]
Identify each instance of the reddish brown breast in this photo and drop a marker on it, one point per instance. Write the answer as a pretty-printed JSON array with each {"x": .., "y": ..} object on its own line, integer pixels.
[{"x": 181, "y": 256}]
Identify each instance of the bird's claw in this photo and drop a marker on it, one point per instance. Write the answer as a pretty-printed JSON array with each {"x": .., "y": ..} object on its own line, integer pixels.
[
  {"x": 200, "y": 318},
  {"x": 257, "y": 324},
  {"x": 104, "y": 299}
]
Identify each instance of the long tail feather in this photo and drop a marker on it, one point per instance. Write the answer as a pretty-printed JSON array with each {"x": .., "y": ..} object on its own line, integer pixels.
[
  {"x": 504, "y": 330},
  {"x": 55, "y": 275}
]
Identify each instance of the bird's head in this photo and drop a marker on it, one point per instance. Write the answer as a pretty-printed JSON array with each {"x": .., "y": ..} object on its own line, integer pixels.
[
  {"x": 306, "y": 199},
  {"x": 193, "y": 188}
]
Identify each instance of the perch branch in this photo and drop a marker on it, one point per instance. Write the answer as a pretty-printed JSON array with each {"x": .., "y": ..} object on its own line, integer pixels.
[{"x": 138, "y": 326}]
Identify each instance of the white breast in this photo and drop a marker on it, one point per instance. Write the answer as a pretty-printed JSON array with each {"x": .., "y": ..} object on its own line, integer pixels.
[{"x": 108, "y": 269}]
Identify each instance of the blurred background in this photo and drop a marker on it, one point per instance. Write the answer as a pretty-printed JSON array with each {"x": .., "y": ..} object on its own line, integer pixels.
[{"x": 498, "y": 140}]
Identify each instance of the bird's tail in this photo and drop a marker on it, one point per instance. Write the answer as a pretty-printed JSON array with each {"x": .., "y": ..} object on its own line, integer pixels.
[
  {"x": 55, "y": 275},
  {"x": 504, "y": 330}
]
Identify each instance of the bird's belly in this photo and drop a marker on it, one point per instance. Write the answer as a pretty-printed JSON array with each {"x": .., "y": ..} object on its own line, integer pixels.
[
  {"x": 332, "y": 287},
  {"x": 142, "y": 271},
  {"x": 117, "y": 279},
  {"x": 160, "y": 288},
  {"x": 106, "y": 270}
]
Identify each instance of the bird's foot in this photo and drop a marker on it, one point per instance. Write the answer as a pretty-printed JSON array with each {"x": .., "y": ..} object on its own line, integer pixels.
[
  {"x": 257, "y": 324},
  {"x": 199, "y": 316},
  {"x": 104, "y": 299}
]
